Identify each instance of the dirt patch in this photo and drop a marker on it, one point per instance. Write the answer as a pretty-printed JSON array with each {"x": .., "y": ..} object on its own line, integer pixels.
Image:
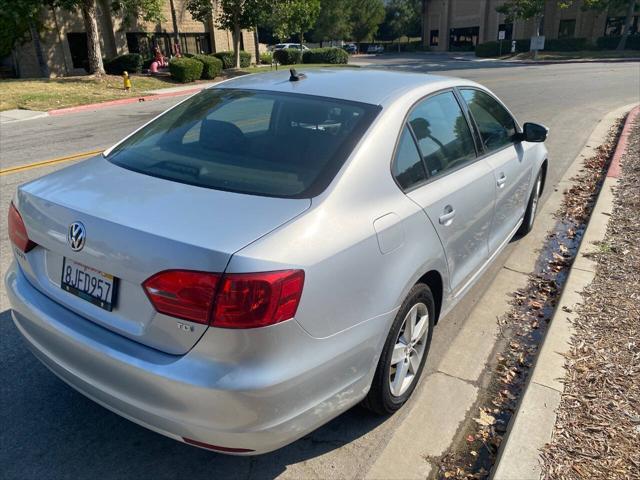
[
  {"x": 524, "y": 326},
  {"x": 597, "y": 432}
]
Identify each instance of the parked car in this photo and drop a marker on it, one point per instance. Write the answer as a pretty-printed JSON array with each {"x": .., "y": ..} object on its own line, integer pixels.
[
  {"x": 375, "y": 49},
  {"x": 351, "y": 48},
  {"x": 269, "y": 253},
  {"x": 284, "y": 46}
]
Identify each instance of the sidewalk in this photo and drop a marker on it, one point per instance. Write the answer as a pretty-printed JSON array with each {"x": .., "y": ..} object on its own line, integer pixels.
[{"x": 583, "y": 395}]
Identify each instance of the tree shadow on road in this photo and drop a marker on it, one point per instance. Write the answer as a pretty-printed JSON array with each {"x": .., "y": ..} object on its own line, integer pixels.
[{"x": 51, "y": 431}]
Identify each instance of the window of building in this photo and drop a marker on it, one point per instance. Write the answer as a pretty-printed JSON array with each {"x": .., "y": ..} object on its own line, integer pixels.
[
  {"x": 615, "y": 26},
  {"x": 433, "y": 38},
  {"x": 144, "y": 43},
  {"x": 443, "y": 134},
  {"x": 507, "y": 28},
  {"x": 464, "y": 38},
  {"x": 78, "y": 49},
  {"x": 567, "y": 28}
]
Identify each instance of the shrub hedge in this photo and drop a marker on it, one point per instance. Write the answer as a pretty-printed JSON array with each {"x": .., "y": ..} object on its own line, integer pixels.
[
  {"x": 567, "y": 44},
  {"x": 185, "y": 70},
  {"x": 211, "y": 66},
  {"x": 130, "y": 62},
  {"x": 611, "y": 43},
  {"x": 331, "y": 55},
  {"x": 266, "y": 58},
  {"x": 229, "y": 60},
  {"x": 288, "y": 56}
]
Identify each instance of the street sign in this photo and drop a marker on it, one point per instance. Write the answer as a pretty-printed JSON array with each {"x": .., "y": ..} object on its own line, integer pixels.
[
  {"x": 537, "y": 43},
  {"x": 502, "y": 35}
]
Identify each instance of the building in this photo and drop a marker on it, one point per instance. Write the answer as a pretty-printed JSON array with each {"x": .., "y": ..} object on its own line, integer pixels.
[
  {"x": 64, "y": 41},
  {"x": 462, "y": 24}
]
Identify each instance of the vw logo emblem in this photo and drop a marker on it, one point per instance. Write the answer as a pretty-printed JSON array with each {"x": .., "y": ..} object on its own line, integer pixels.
[{"x": 76, "y": 236}]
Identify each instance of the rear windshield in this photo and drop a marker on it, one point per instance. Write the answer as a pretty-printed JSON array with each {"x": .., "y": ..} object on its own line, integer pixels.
[{"x": 253, "y": 142}]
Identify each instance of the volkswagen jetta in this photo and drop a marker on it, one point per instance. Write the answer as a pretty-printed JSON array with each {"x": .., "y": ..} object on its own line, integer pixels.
[{"x": 271, "y": 251}]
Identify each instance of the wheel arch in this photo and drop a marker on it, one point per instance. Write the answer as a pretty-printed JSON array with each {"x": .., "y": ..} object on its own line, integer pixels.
[
  {"x": 543, "y": 169},
  {"x": 434, "y": 281}
]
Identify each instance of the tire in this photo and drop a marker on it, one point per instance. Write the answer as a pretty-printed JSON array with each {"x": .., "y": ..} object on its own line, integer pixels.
[
  {"x": 532, "y": 208},
  {"x": 388, "y": 391}
]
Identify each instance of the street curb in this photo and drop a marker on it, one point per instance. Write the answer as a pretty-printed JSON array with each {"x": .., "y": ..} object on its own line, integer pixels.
[
  {"x": 532, "y": 424},
  {"x": 562, "y": 62},
  {"x": 122, "y": 101}
]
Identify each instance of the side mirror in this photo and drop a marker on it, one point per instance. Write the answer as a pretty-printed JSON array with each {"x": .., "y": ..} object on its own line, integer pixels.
[{"x": 533, "y": 132}]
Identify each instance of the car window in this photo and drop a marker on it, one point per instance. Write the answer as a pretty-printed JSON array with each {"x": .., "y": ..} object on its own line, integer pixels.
[
  {"x": 443, "y": 134},
  {"x": 407, "y": 167},
  {"x": 497, "y": 127},
  {"x": 255, "y": 142}
]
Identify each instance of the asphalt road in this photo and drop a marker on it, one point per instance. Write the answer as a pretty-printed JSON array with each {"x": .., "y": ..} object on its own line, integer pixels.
[{"x": 47, "y": 430}]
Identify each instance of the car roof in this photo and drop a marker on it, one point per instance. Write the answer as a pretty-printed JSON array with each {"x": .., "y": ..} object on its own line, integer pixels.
[{"x": 377, "y": 87}]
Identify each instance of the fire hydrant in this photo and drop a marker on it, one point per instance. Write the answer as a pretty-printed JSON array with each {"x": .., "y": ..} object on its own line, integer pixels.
[{"x": 126, "y": 81}]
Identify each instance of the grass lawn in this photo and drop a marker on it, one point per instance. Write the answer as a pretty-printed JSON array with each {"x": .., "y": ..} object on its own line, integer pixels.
[
  {"x": 300, "y": 67},
  {"x": 584, "y": 55},
  {"x": 47, "y": 94}
]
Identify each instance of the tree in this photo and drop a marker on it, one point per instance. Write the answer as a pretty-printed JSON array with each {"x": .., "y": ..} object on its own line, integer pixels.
[
  {"x": 20, "y": 21},
  {"x": 294, "y": 17},
  {"x": 235, "y": 15},
  {"x": 613, "y": 5},
  {"x": 525, "y": 10},
  {"x": 149, "y": 10},
  {"x": 366, "y": 17},
  {"x": 333, "y": 21},
  {"x": 402, "y": 17}
]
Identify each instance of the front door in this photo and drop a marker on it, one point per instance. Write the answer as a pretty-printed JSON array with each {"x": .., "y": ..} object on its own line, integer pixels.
[
  {"x": 512, "y": 170},
  {"x": 458, "y": 194}
]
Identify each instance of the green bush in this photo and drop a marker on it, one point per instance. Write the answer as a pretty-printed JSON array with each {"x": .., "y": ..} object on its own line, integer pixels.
[
  {"x": 266, "y": 58},
  {"x": 211, "y": 66},
  {"x": 566, "y": 44},
  {"x": 229, "y": 60},
  {"x": 130, "y": 62},
  {"x": 332, "y": 55},
  {"x": 611, "y": 43},
  {"x": 288, "y": 56},
  {"x": 490, "y": 49},
  {"x": 185, "y": 70}
]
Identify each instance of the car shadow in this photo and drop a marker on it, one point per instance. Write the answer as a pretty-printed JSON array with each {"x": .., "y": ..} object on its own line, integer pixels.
[{"x": 48, "y": 430}]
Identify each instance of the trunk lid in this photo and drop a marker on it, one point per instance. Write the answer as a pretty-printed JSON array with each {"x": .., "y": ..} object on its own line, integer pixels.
[{"x": 137, "y": 225}]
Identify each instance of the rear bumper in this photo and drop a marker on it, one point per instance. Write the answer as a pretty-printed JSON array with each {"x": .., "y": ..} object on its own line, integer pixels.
[{"x": 254, "y": 389}]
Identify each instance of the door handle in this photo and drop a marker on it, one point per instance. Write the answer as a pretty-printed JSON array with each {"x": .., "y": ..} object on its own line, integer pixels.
[
  {"x": 501, "y": 180},
  {"x": 447, "y": 217}
]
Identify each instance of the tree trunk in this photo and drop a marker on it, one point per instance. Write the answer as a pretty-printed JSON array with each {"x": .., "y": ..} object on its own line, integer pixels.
[
  {"x": 627, "y": 25},
  {"x": 256, "y": 41},
  {"x": 174, "y": 19},
  {"x": 94, "y": 51},
  {"x": 237, "y": 31},
  {"x": 37, "y": 45}
]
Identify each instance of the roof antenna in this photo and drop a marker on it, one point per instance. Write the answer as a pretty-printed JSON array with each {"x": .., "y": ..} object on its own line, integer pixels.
[{"x": 295, "y": 76}]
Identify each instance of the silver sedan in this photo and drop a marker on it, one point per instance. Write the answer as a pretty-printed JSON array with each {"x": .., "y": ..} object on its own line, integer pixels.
[{"x": 271, "y": 251}]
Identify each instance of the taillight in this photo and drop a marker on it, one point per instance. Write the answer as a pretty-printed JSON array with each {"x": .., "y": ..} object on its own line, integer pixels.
[
  {"x": 238, "y": 300},
  {"x": 249, "y": 300},
  {"x": 17, "y": 230},
  {"x": 183, "y": 293}
]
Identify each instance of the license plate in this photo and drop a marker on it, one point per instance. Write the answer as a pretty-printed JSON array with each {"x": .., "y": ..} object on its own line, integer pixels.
[{"x": 89, "y": 284}]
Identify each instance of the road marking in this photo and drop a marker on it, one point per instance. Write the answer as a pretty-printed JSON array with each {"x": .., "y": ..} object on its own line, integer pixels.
[{"x": 47, "y": 163}]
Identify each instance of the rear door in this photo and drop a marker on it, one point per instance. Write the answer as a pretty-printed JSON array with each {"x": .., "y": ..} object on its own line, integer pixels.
[
  {"x": 512, "y": 170},
  {"x": 454, "y": 188}
]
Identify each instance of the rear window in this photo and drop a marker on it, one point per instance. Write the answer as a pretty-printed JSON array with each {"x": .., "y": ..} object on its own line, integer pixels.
[{"x": 254, "y": 142}]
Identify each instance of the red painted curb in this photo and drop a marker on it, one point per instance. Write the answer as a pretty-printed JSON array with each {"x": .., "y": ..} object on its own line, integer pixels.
[
  {"x": 121, "y": 101},
  {"x": 621, "y": 148}
]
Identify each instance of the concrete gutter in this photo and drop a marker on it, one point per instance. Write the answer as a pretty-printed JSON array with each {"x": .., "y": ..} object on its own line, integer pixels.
[{"x": 532, "y": 424}]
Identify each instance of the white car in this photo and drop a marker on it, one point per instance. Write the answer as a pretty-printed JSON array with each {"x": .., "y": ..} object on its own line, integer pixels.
[
  {"x": 284, "y": 46},
  {"x": 375, "y": 49}
]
